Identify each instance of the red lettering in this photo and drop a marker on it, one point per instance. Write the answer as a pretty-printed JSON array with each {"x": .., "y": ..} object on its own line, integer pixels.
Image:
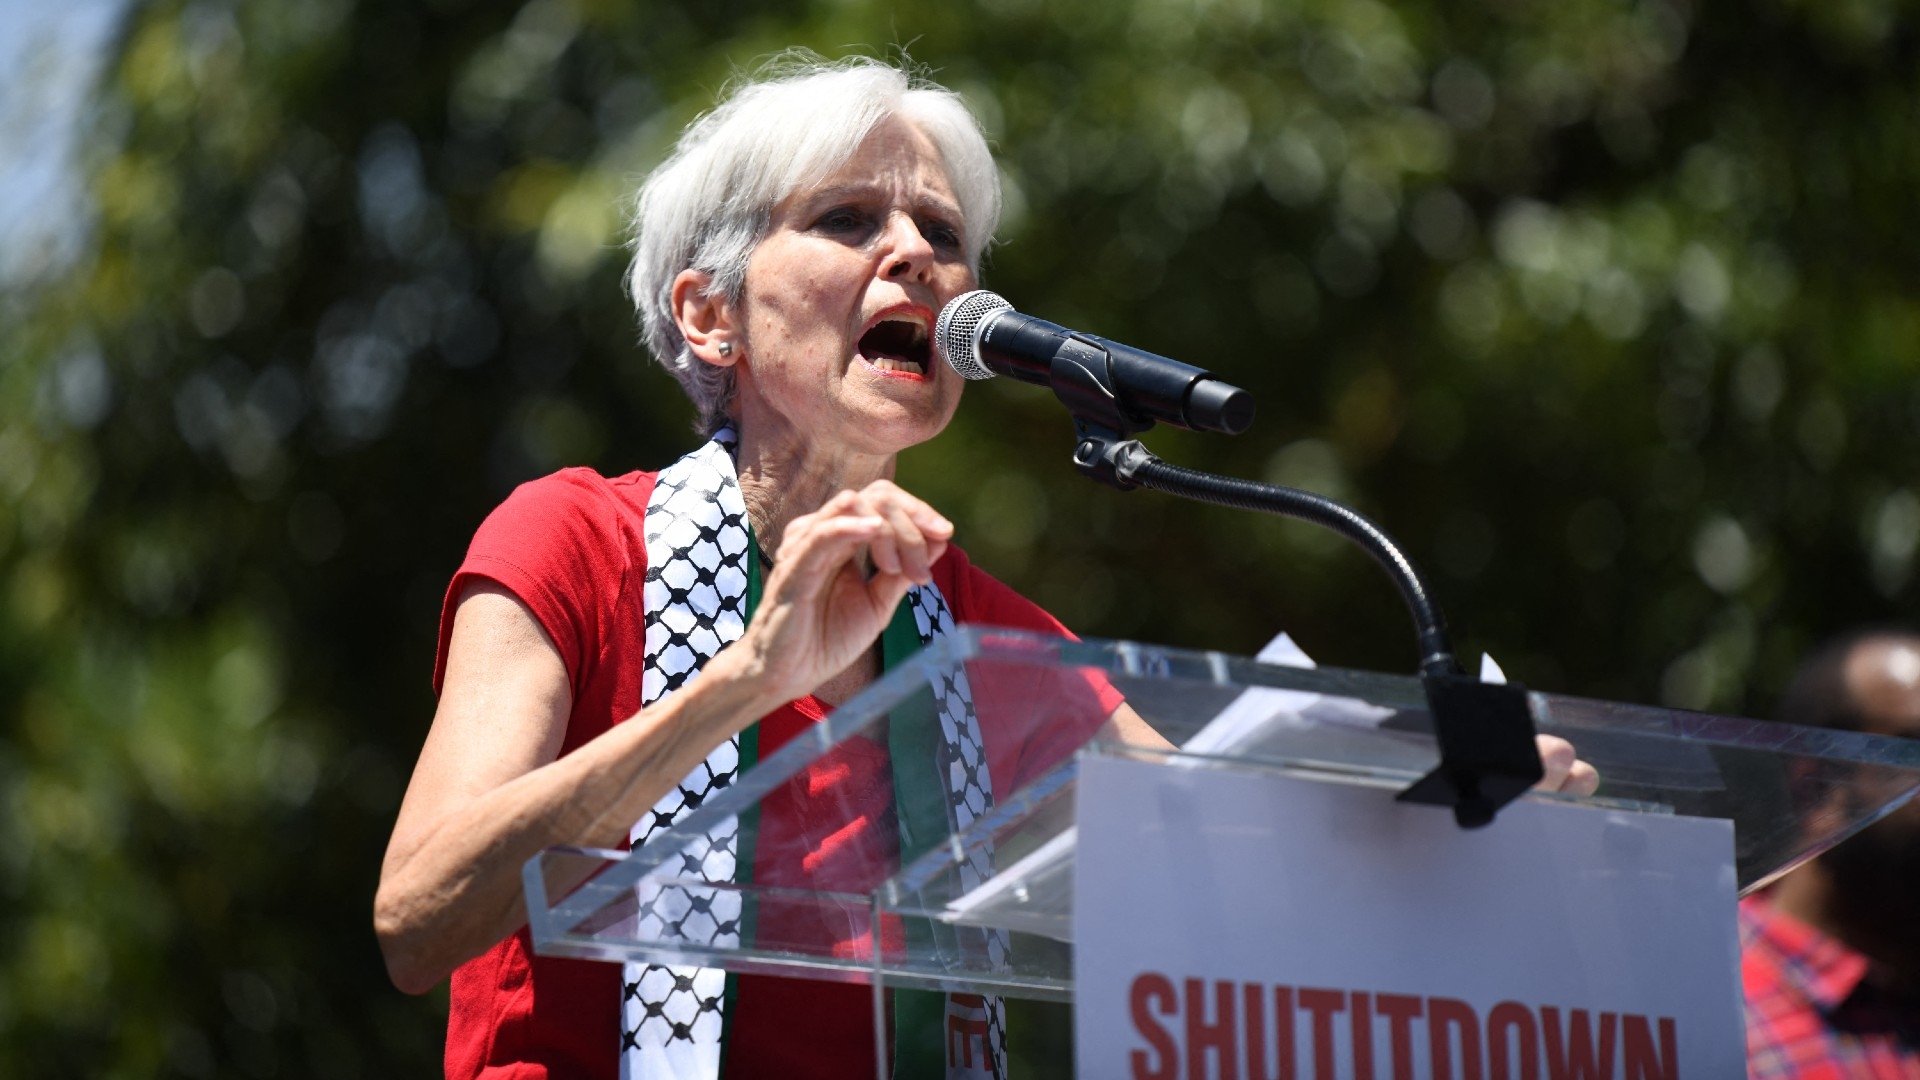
[
  {"x": 1400, "y": 1010},
  {"x": 1218, "y": 1036},
  {"x": 1451, "y": 1015},
  {"x": 1323, "y": 1004},
  {"x": 1515, "y": 1036},
  {"x": 960, "y": 1036},
  {"x": 1638, "y": 1054},
  {"x": 1257, "y": 1033},
  {"x": 1150, "y": 988},
  {"x": 1362, "y": 1014},
  {"x": 1572, "y": 1056},
  {"x": 1510, "y": 1027}
]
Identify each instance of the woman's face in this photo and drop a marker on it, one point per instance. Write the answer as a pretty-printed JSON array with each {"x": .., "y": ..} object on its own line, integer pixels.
[{"x": 840, "y": 300}]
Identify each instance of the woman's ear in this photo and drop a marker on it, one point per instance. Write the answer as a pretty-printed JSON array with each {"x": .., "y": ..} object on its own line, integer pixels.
[{"x": 705, "y": 320}]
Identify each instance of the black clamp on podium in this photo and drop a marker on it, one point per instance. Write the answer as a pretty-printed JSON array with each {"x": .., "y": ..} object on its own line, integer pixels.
[{"x": 1488, "y": 756}]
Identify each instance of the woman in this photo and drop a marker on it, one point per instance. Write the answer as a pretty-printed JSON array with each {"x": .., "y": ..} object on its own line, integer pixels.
[{"x": 790, "y": 259}]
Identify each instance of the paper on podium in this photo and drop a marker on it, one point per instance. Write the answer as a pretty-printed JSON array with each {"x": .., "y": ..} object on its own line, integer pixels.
[{"x": 1035, "y": 893}]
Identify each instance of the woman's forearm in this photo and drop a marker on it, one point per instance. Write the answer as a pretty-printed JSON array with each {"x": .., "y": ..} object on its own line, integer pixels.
[
  {"x": 491, "y": 789},
  {"x": 455, "y": 889}
]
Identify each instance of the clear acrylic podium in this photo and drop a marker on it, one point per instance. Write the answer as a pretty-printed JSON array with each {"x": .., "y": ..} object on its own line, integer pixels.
[{"x": 847, "y": 885}]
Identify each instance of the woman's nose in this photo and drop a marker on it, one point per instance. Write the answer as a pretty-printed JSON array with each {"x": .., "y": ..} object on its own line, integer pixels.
[{"x": 909, "y": 255}]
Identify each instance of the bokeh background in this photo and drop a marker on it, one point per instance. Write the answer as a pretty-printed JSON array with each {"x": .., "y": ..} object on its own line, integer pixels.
[{"x": 1608, "y": 309}]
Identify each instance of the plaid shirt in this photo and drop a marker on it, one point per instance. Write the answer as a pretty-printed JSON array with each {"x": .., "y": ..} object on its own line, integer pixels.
[{"x": 1812, "y": 1013}]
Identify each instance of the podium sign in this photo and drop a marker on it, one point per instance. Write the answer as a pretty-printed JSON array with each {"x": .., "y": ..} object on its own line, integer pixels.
[{"x": 1238, "y": 923}]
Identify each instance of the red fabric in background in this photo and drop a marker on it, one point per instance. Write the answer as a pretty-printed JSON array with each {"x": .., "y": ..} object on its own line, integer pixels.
[
  {"x": 1813, "y": 1011},
  {"x": 571, "y": 546}
]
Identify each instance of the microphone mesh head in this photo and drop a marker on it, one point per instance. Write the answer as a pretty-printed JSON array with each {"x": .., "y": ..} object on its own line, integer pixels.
[{"x": 957, "y": 333}]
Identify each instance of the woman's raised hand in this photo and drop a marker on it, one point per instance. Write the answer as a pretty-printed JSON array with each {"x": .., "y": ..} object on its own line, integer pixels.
[{"x": 821, "y": 608}]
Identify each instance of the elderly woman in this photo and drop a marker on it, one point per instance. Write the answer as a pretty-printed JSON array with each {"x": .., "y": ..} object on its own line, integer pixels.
[{"x": 792, "y": 255}]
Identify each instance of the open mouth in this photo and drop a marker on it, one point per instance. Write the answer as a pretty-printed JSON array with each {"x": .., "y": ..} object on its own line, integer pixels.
[{"x": 898, "y": 343}]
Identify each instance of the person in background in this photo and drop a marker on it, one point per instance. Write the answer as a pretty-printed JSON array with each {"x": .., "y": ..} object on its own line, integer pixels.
[{"x": 1830, "y": 954}]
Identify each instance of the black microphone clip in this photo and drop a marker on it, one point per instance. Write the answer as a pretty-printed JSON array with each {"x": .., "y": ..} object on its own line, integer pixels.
[{"x": 1101, "y": 426}]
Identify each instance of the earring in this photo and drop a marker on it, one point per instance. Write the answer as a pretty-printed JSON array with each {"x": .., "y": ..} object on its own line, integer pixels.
[{"x": 726, "y": 348}]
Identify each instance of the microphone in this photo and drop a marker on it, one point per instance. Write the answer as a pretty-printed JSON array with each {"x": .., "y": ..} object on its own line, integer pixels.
[{"x": 982, "y": 336}]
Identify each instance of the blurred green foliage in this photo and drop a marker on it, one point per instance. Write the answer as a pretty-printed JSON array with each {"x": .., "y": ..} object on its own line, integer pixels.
[{"x": 1609, "y": 310}]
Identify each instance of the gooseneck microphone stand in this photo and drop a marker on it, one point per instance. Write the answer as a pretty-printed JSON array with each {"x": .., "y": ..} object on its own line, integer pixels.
[{"x": 1485, "y": 731}]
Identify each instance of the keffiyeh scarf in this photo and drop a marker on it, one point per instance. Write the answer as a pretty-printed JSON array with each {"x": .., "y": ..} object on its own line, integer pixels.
[{"x": 700, "y": 585}]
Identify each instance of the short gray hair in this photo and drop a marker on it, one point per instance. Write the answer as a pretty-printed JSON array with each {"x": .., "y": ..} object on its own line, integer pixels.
[{"x": 787, "y": 125}]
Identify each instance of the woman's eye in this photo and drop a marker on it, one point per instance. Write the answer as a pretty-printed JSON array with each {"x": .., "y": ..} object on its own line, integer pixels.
[
  {"x": 941, "y": 235},
  {"x": 842, "y": 220}
]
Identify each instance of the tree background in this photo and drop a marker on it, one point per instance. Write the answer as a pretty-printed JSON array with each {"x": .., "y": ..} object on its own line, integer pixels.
[{"x": 1607, "y": 309}]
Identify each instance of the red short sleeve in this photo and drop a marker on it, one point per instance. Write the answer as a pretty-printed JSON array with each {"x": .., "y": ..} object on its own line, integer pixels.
[
  {"x": 572, "y": 547},
  {"x": 566, "y": 545}
]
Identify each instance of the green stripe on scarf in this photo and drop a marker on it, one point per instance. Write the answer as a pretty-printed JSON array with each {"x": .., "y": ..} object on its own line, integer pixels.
[
  {"x": 919, "y": 1016},
  {"x": 919, "y": 796}
]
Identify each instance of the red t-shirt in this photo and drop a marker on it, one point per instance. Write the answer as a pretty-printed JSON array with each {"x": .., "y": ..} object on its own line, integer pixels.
[{"x": 571, "y": 546}]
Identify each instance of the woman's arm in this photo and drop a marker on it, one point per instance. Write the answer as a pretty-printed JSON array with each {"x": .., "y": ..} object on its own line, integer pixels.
[{"x": 489, "y": 791}]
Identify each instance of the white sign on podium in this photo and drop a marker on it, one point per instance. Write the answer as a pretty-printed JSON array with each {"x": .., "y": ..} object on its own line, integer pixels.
[{"x": 1233, "y": 924}]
